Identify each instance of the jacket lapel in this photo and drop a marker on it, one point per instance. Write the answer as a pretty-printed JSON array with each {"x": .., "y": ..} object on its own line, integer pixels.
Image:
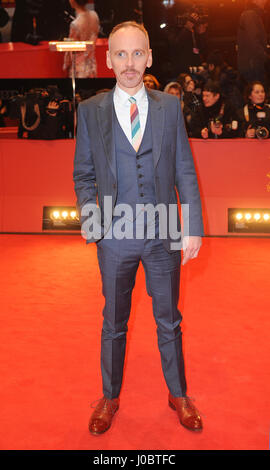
[
  {"x": 157, "y": 114},
  {"x": 106, "y": 126}
]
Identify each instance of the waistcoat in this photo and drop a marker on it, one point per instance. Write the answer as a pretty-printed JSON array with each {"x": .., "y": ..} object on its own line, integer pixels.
[{"x": 135, "y": 171}]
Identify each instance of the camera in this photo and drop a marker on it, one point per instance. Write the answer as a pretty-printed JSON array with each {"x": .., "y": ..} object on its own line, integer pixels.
[
  {"x": 196, "y": 15},
  {"x": 216, "y": 122},
  {"x": 43, "y": 114},
  {"x": 261, "y": 132}
]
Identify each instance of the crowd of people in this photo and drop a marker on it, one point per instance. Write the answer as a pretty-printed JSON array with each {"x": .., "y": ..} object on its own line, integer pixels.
[
  {"x": 218, "y": 101},
  {"x": 212, "y": 101},
  {"x": 215, "y": 106}
]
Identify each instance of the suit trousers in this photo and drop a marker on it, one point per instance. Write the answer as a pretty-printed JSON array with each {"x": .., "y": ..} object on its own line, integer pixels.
[{"x": 119, "y": 261}]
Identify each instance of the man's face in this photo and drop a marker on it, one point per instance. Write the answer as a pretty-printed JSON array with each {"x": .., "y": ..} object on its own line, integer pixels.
[
  {"x": 128, "y": 56},
  {"x": 210, "y": 98}
]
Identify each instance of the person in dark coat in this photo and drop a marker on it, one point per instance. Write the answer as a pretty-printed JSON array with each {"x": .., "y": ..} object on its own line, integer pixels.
[
  {"x": 215, "y": 119},
  {"x": 252, "y": 42},
  {"x": 255, "y": 115},
  {"x": 191, "y": 44},
  {"x": 190, "y": 99}
]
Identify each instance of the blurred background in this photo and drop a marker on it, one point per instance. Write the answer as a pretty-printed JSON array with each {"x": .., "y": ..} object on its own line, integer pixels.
[{"x": 162, "y": 18}]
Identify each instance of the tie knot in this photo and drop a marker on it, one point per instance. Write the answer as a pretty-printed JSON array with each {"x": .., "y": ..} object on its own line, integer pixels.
[{"x": 132, "y": 100}]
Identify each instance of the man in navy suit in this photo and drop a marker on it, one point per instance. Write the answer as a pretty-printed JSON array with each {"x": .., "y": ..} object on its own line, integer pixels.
[{"x": 132, "y": 154}]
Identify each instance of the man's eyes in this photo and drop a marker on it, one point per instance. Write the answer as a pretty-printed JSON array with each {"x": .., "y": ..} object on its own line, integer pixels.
[{"x": 136, "y": 53}]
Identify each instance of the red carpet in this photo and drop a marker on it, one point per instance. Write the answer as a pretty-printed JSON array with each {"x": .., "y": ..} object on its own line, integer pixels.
[{"x": 50, "y": 342}]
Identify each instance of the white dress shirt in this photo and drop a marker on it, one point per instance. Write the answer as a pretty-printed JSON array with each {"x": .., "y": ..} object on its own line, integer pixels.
[{"x": 122, "y": 109}]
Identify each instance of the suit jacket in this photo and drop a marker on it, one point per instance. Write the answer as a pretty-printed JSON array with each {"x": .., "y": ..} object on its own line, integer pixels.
[{"x": 95, "y": 174}]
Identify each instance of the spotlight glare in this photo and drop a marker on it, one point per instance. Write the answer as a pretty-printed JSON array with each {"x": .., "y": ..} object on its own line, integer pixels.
[
  {"x": 163, "y": 25},
  {"x": 55, "y": 215},
  {"x": 249, "y": 220},
  {"x": 60, "y": 218}
]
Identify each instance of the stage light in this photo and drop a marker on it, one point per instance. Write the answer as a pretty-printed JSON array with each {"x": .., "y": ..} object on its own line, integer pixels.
[
  {"x": 163, "y": 25},
  {"x": 73, "y": 214},
  {"x": 55, "y": 215},
  {"x": 249, "y": 220},
  {"x": 60, "y": 218},
  {"x": 70, "y": 46}
]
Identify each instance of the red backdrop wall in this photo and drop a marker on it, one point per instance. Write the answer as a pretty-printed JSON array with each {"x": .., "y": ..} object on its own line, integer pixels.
[
  {"x": 33, "y": 174},
  {"x": 22, "y": 60}
]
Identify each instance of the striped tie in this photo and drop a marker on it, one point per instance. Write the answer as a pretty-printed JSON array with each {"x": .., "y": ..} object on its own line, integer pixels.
[{"x": 135, "y": 124}]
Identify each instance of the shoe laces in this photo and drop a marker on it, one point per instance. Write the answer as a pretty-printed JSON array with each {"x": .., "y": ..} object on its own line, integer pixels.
[
  {"x": 187, "y": 399},
  {"x": 108, "y": 403},
  {"x": 191, "y": 399}
]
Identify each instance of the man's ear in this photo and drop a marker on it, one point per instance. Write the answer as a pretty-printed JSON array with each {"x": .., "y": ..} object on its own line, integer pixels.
[
  {"x": 150, "y": 59},
  {"x": 108, "y": 60}
]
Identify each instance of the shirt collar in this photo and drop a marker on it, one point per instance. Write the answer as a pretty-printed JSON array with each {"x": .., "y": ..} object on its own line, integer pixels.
[{"x": 123, "y": 97}]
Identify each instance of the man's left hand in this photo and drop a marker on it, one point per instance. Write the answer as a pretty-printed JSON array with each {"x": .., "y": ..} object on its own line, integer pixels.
[{"x": 191, "y": 247}]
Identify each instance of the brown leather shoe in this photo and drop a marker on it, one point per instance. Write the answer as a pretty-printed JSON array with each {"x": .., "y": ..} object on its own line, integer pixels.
[
  {"x": 103, "y": 414},
  {"x": 187, "y": 413}
]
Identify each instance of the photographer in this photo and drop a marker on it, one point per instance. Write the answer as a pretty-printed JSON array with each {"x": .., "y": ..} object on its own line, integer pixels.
[
  {"x": 215, "y": 119},
  {"x": 42, "y": 114},
  {"x": 191, "y": 41},
  {"x": 255, "y": 115}
]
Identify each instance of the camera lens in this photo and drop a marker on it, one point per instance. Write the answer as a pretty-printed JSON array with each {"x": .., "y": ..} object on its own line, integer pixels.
[{"x": 262, "y": 133}]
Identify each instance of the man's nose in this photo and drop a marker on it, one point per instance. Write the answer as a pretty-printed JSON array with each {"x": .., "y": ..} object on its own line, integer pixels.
[{"x": 130, "y": 60}]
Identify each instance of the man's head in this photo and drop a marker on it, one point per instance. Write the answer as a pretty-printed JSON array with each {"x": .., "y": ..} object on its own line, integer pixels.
[
  {"x": 210, "y": 94},
  {"x": 129, "y": 54}
]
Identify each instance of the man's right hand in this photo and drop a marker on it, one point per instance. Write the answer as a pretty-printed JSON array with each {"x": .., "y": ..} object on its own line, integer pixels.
[
  {"x": 204, "y": 133},
  {"x": 250, "y": 134}
]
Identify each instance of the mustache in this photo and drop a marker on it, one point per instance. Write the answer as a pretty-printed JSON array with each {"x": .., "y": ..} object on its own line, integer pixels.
[{"x": 129, "y": 70}]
